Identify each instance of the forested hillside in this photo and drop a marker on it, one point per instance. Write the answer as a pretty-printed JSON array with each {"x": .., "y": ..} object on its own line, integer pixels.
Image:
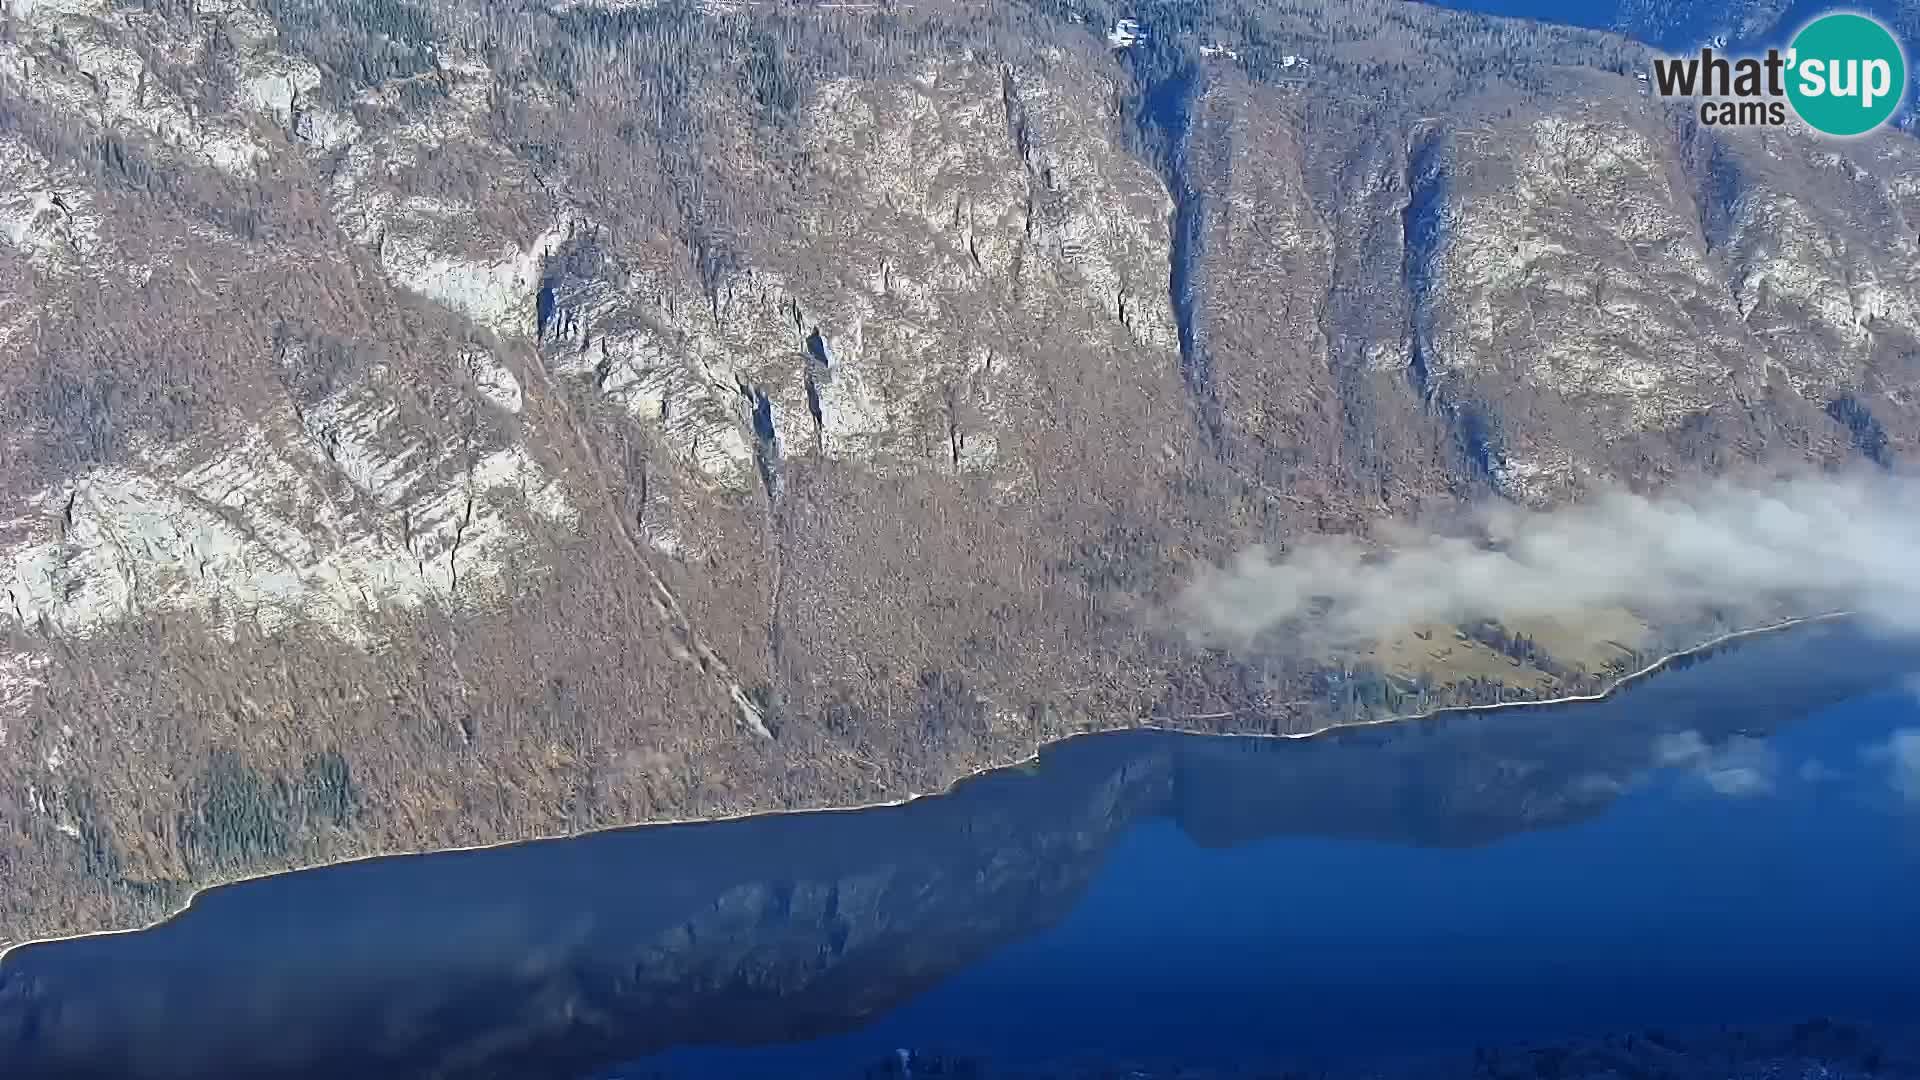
[{"x": 447, "y": 423}]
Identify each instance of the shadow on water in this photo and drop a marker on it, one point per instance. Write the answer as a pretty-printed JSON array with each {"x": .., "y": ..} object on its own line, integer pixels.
[{"x": 558, "y": 957}]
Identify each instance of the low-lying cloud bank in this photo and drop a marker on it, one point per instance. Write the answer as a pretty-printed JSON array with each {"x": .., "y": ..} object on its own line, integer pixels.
[{"x": 1811, "y": 542}]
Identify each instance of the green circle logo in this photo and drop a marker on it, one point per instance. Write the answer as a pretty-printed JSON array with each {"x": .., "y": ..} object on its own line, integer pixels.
[{"x": 1846, "y": 74}]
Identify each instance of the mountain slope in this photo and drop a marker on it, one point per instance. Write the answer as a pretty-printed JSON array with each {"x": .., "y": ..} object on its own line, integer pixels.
[{"x": 438, "y": 425}]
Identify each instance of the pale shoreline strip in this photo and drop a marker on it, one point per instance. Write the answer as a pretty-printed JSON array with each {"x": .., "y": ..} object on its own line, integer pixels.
[{"x": 1622, "y": 683}]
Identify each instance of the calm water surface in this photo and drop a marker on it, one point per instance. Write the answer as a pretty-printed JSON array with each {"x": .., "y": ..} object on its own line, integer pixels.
[
  {"x": 1765, "y": 880},
  {"x": 1735, "y": 842}
]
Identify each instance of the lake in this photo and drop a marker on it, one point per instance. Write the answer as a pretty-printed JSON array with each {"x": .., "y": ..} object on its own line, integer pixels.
[{"x": 1733, "y": 841}]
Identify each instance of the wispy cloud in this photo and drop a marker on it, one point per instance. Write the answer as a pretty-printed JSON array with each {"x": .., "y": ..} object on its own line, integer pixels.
[
  {"x": 1901, "y": 753},
  {"x": 1738, "y": 781},
  {"x": 1741, "y": 768},
  {"x": 1815, "y": 771},
  {"x": 1679, "y": 748},
  {"x": 1738, "y": 768},
  {"x": 1816, "y": 541}
]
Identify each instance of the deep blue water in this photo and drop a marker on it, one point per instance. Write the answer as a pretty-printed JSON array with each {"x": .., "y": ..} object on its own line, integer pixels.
[
  {"x": 1770, "y": 880},
  {"x": 1733, "y": 842}
]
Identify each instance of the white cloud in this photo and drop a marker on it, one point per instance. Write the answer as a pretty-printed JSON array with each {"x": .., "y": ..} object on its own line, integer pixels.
[
  {"x": 1678, "y": 747},
  {"x": 1737, "y": 781},
  {"x": 1596, "y": 786},
  {"x": 1815, "y": 541},
  {"x": 1901, "y": 752},
  {"x": 1815, "y": 771},
  {"x": 1738, "y": 768}
]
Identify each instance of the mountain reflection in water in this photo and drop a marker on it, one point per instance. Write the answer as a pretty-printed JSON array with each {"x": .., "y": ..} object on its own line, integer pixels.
[{"x": 559, "y": 958}]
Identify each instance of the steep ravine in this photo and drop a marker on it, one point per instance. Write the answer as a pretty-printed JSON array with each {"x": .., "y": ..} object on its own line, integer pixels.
[{"x": 1165, "y": 116}]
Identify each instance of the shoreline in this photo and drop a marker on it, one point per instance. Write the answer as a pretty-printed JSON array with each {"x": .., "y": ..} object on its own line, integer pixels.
[{"x": 1624, "y": 682}]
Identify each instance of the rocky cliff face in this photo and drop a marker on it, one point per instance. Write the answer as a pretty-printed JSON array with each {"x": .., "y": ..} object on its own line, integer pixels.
[{"x": 430, "y": 425}]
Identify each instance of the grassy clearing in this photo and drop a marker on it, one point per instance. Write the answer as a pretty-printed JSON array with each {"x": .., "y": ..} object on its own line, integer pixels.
[{"x": 1445, "y": 655}]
